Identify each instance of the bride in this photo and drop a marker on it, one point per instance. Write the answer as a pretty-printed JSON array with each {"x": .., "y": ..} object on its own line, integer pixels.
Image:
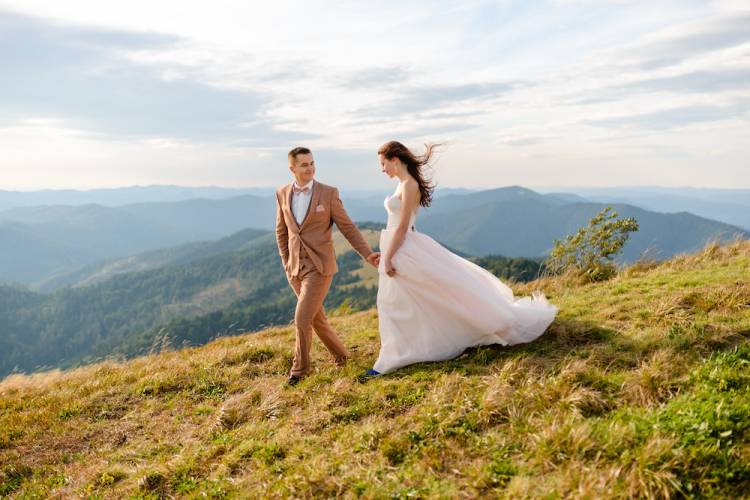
[{"x": 433, "y": 304}]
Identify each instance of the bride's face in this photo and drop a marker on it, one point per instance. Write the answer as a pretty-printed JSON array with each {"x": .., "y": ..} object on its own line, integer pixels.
[{"x": 388, "y": 167}]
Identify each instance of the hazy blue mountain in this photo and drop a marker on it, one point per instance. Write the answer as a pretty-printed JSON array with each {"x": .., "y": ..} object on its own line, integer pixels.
[
  {"x": 741, "y": 196},
  {"x": 731, "y": 206},
  {"x": 189, "y": 219},
  {"x": 570, "y": 197},
  {"x": 182, "y": 254},
  {"x": 210, "y": 219},
  {"x": 26, "y": 255},
  {"x": 73, "y": 236},
  {"x": 510, "y": 194},
  {"x": 42, "y": 244},
  {"x": 441, "y": 191},
  {"x": 731, "y": 213},
  {"x": 528, "y": 228},
  {"x": 116, "y": 197},
  {"x": 366, "y": 209},
  {"x": 122, "y": 196}
]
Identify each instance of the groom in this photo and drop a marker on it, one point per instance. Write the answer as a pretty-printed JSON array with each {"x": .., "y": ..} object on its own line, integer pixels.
[{"x": 305, "y": 213}]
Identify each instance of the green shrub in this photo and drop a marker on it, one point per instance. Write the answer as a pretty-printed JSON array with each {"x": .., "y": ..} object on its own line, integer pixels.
[{"x": 591, "y": 250}]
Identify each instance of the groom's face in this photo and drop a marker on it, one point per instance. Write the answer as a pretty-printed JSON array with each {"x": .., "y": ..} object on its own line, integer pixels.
[{"x": 303, "y": 168}]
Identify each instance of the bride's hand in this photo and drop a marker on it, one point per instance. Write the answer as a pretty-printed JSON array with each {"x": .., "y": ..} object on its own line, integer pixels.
[{"x": 389, "y": 269}]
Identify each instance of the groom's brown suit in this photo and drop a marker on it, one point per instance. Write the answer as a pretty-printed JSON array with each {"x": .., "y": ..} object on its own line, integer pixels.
[{"x": 306, "y": 251}]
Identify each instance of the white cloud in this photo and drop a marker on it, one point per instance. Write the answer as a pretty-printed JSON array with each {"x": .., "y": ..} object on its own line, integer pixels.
[{"x": 553, "y": 88}]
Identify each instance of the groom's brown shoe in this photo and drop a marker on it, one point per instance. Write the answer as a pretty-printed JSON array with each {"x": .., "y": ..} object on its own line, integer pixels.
[
  {"x": 341, "y": 362},
  {"x": 293, "y": 380}
]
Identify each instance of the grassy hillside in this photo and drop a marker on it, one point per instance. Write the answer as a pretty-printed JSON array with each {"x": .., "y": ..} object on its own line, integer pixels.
[{"x": 638, "y": 389}]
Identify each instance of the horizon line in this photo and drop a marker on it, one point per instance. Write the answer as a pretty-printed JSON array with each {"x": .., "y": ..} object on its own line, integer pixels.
[{"x": 350, "y": 188}]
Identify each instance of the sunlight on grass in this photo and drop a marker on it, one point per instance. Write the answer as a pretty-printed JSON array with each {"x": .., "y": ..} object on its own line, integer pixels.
[{"x": 640, "y": 388}]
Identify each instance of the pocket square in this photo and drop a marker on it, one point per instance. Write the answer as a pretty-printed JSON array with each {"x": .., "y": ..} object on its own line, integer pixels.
[{"x": 320, "y": 208}]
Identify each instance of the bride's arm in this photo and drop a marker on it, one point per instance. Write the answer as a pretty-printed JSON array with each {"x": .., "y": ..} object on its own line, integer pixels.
[{"x": 409, "y": 202}]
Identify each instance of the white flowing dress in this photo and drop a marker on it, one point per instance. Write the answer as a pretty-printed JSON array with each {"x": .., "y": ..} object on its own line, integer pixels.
[{"x": 438, "y": 304}]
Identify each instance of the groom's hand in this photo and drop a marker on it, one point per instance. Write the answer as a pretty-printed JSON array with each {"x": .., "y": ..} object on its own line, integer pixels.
[{"x": 374, "y": 259}]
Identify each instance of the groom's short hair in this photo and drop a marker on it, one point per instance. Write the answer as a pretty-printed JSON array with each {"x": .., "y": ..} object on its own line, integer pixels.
[{"x": 299, "y": 150}]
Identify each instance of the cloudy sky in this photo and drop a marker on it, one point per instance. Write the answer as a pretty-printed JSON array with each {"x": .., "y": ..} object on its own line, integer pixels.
[{"x": 536, "y": 93}]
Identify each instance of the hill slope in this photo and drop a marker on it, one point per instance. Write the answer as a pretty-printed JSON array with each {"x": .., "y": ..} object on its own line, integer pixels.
[
  {"x": 527, "y": 226},
  {"x": 123, "y": 314},
  {"x": 639, "y": 388},
  {"x": 74, "y": 236},
  {"x": 182, "y": 254}
]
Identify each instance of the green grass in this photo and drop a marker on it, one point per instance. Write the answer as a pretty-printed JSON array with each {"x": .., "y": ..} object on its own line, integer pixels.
[{"x": 641, "y": 388}]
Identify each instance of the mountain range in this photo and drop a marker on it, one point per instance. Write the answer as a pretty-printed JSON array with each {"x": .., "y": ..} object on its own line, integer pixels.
[
  {"x": 517, "y": 221},
  {"x": 186, "y": 295},
  {"x": 731, "y": 206},
  {"x": 41, "y": 245}
]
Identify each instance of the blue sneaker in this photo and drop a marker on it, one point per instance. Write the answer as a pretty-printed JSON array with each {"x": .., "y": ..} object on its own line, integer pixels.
[{"x": 372, "y": 373}]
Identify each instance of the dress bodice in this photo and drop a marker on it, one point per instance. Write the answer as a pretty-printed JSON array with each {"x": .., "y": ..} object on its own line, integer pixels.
[{"x": 392, "y": 205}]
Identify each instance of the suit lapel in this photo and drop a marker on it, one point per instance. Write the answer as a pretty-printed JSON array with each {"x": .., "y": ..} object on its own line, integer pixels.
[
  {"x": 313, "y": 202},
  {"x": 288, "y": 207}
]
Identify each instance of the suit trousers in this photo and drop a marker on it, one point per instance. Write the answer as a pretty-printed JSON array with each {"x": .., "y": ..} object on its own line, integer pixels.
[{"x": 311, "y": 288}]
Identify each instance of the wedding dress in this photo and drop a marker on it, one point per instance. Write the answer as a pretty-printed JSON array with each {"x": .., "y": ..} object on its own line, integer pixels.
[{"x": 438, "y": 304}]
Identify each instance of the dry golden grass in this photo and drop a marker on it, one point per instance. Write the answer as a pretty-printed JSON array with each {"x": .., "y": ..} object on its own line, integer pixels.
[{"x": 638, "y": 390}]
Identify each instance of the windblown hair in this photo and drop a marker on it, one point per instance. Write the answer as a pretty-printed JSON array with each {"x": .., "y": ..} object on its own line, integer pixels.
[
  {"x": 414, "y": 165},
  {"x": 300, "y": 150}
]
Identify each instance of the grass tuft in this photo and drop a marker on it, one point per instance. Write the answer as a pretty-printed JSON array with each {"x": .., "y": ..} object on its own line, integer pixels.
[{"x": 639, "y": 389}]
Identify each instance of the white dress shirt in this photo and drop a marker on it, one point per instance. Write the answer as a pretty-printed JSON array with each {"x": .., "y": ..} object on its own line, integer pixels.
[{"x": 301, "y": 202}]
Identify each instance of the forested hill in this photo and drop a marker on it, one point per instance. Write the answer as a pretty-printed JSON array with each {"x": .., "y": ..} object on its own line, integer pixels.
[
  {"x": 80, "y": 324},
  {"x": 131, "y": 313}
]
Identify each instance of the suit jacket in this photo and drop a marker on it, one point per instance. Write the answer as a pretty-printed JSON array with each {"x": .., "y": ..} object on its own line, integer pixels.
[{"x": 315, "y": 231}]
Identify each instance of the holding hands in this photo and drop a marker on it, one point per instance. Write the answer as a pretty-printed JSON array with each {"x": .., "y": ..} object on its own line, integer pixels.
[{"x": 374, "y": 259}]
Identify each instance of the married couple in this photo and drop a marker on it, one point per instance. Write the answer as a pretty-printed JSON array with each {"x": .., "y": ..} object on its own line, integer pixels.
[{"x": 432, "y": 304}]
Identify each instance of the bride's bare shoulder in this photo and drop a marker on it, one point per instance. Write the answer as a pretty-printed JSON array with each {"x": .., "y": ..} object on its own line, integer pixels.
[{"x": 411, "y": 186}]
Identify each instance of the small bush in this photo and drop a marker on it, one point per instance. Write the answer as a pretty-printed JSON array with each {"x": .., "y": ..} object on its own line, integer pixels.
[{"x": 590, "y": 251}]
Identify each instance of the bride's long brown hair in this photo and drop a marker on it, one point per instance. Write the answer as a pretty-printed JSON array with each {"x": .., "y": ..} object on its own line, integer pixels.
[{"x": 414, "y": 165}]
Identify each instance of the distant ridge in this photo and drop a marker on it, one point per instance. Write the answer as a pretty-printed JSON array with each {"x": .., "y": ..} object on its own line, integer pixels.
[
  {"x": 183, "y": 254},
  {"x": 45, "y": 242}
]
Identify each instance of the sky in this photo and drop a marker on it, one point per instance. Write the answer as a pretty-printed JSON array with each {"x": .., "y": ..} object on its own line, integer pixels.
[{"x": 533, "y": 93}]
